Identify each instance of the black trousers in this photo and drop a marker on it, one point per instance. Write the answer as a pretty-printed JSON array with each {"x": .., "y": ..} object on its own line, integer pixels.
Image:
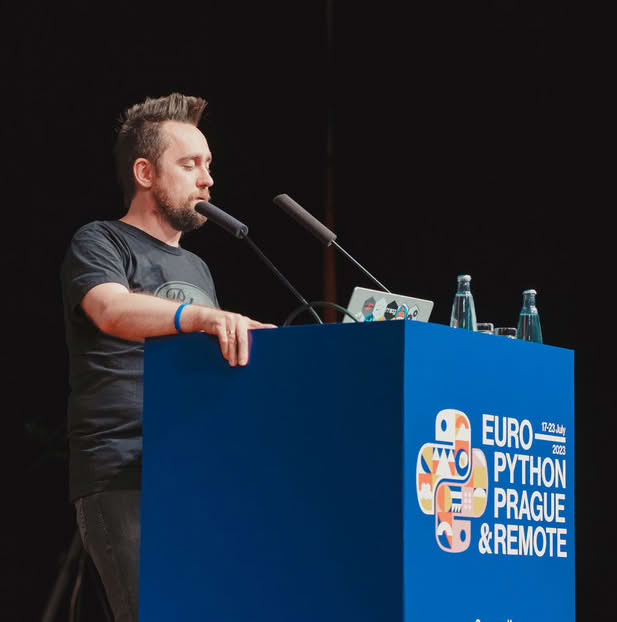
[{"x": 110, "y": 530}]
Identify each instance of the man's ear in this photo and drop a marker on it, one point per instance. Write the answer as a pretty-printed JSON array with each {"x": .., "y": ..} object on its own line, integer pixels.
[{"x": 143, "y": 172}]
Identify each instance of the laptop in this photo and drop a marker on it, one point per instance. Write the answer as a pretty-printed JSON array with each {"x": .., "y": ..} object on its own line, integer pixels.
[{"x": 372, "y": 305}]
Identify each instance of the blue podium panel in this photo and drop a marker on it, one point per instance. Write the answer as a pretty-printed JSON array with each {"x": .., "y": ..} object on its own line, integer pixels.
[
  {"x": 358, "y": 472},
  {"x": 489, "y": 478},
  {"x": 273, "y": 492}
]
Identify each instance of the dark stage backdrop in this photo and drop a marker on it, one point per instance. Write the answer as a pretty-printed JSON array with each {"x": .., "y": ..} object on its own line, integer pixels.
[{"x": 451, "y": 130}]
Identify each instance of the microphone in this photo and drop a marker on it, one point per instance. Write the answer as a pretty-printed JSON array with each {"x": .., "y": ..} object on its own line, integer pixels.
[
  {"x": 241, "y": 231},
  {"x": 303, "y": 218},
  {"x": 222, "y": 219},
  {"x": 320, "y": 231}
]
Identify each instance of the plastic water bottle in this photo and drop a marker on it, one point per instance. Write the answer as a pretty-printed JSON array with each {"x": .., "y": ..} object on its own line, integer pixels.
[
  {"x": 529, "y": 328},
  {"x": 463, "y": 309}
]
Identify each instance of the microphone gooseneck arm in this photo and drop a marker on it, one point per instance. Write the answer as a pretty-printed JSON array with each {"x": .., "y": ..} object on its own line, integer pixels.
[
  {"x": 319, "y": 230},
  {"x": 381, "y": 285},
  {"x": 275, "y": 270},
  {"x": 241, "y": 231}
]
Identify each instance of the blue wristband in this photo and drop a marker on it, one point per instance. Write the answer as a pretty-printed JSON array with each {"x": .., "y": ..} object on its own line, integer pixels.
[{"x": 177, "y": 316}]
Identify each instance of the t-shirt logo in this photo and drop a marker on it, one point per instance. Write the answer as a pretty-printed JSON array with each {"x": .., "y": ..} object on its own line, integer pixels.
[{"x": 183, "y": 292}]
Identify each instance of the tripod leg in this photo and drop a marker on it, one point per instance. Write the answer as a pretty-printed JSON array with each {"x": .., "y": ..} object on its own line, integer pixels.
[
  {"x": 100, "y": 591},
  {"x": 77, "y": 588},
  {"x": 63, "y": 579}
]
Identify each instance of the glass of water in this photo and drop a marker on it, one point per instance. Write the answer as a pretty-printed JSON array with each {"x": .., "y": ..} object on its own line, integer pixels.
[
  {"x": 486, "y": 327},
  {"x": 505, "y": 331}
]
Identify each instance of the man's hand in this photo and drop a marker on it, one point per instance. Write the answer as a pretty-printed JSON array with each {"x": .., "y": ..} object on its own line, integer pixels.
[
  {"x": 231, "y": 330},
  {"x": 132, "y": 316}
]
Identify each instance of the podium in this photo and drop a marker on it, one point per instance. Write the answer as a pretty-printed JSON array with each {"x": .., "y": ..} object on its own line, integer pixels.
[{"x": 386, "y": 471}]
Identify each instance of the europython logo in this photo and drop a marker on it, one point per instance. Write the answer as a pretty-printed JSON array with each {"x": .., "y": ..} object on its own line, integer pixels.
[{"x": 452, "y": 480}]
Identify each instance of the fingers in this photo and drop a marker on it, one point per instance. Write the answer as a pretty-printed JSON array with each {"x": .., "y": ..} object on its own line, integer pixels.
[
  {"x": 227, "y": 333},
  {"x": 242, "y": 342},
  {"x": 228, "y": 343},
  {"x": 232, "y": 330},
  {"x": 255, "y": 324}
]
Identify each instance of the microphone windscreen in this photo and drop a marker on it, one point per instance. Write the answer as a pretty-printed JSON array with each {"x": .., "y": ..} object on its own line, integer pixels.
[
  {"x": 302, "y": 217},
  {"x": 222, "y": 219}
]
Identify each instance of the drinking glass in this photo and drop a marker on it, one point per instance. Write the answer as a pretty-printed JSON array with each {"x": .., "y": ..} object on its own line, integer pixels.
[{"x": 485, "y": 327}]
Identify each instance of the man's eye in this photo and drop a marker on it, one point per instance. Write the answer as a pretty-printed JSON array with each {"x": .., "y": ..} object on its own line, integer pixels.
[{"x": 188, "y": 167}]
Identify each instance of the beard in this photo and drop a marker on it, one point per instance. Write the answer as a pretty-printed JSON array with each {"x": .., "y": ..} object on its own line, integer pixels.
[{"x": 183, "y": 218}]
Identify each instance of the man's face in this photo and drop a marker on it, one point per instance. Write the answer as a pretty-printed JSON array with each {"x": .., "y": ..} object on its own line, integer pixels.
[{"x": 182, "y": 177}]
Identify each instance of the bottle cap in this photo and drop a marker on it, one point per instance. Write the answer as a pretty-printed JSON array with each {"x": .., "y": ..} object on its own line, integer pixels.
[
  {"x": 463, "y": 277},
  {"x": 530, "y": 291}
]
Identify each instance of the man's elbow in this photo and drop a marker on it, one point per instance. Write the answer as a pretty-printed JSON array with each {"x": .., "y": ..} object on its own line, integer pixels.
[{"x": 104, "y": 308}]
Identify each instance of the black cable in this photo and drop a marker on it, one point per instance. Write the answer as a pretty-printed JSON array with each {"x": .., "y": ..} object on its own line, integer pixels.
[{"x": 318, "y": 303}]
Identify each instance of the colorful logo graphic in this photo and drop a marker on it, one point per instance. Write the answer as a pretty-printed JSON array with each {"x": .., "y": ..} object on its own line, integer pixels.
[
  {"x": 377, "y": 311},
  {"x": 452, "y": 480}
]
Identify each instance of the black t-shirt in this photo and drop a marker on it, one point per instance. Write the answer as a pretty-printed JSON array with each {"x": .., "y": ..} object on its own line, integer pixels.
[{"x": 106, "y": 373}]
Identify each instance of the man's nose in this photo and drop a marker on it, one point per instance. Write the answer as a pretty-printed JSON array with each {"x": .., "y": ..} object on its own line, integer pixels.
[{"x": 205, "y": 179}]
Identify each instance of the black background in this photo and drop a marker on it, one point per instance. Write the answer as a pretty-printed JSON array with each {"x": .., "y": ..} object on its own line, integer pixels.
[{"x": 454, "y": 135}]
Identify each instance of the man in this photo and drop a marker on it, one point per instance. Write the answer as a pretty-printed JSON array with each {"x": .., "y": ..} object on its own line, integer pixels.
[{"x": 123, "y": 281}]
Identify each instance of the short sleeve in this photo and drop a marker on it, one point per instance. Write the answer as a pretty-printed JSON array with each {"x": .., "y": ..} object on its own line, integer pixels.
[{"x": 94, "y": 256}]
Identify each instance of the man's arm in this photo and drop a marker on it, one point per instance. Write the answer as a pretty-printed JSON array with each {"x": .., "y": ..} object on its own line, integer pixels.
[{"x": 120, "y": 313}]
